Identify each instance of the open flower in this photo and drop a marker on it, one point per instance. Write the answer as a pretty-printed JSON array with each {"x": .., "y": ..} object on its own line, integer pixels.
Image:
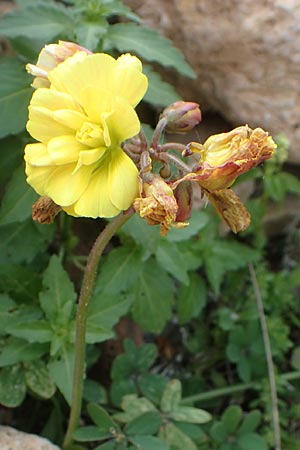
[
  {"x": 80, "y": 123},
  {"x": 225, "y": 156},
  {"x": 157, "y": 204}
]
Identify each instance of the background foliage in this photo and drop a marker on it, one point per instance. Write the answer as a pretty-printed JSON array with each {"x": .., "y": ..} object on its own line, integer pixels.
[{"x": 189, "y": 293}]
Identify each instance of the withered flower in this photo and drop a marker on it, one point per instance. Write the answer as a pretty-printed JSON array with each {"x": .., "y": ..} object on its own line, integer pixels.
[{"x": 157, "y": 204}]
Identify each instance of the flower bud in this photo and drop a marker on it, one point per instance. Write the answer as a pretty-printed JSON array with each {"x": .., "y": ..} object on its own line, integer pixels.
[
  {"x": 225, "y": 156},
  {"x": 181, "y": 116},
  {"x": 50, "y": 56},
  {"x": 157, "y": 204}
]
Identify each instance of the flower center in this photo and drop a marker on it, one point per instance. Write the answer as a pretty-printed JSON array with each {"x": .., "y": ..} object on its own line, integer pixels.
[{"x": 92, "y": 135}]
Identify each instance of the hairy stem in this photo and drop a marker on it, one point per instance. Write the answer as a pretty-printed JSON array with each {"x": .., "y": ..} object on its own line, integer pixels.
[
  {"x": 229, "y": 390},
  {"x": 169, "y": 158},
  {"x": 81, "y": 318},
  {"x": 171, "y": 146},
  {"x": 158, "y": 132},
  {"x": 269, "y": 359}
]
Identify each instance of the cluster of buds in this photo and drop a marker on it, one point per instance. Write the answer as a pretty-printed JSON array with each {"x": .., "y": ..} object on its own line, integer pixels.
[{"x": 220, "y": 160}]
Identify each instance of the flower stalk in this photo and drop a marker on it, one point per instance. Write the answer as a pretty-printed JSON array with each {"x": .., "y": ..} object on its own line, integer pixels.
[{"x": 81, "y": 319}]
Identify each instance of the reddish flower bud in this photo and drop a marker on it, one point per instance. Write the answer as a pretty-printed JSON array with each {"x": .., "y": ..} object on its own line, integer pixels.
[{"x": 181, "y": 116}]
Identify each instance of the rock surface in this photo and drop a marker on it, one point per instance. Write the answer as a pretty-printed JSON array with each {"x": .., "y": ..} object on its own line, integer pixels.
[
  {"x": 11, "y": 439},
  {"x": 246, "y": 55}
]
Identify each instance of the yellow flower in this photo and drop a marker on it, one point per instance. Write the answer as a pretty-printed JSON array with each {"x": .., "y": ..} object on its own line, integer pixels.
[
  {"x": 157, "y": 204},
  {"x": 225, "y": 156},
  {"x": 80, "y": 123},
  {"x": 50, "y": 56}
]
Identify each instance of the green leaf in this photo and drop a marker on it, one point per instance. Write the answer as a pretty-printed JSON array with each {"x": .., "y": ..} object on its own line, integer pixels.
[
  {"x": 170, "y": 259},
  {"x": 58, "y": 296},
  {"x": 12, "y": 386},
  {"x": 159, "y": 92},
  {"x": 90, "y": 433},
  {"x": 149, "y": 443},
  {"x": 15, "y": 93},
  {"x": 116, "y": 8},
  {"x": 224, "y": 256},
  {"x": 171, "y": 396},
  {"x": 35, "y": 331},
  {"x": 44, "y": 22},
  {"x": 144, "y": 235},
  {"x": 18, "y": 199},
  {"x": 135, "y": 360},
  {"x": 61, "y": 371},
  {"x": 11, "y": 155},
  {"x": 152, "y": 386},
  {"x": 231, "y": 418},
  {"x": 6, "y": 306},
  {"x": 22, "y": 283},
  {"x": 191, "y": 299},
  {"x": 107, "y": 446},
  {"x": 38, "y": 379},
  {"x": 100, "y": 417},
  {"x": 17, "y": 350},
  {"x": 250, "y": 422},
  {"x": 88, "y": 34},
  {"x": 119, "y": 270},
  {"x": 133, "y": 406},
  {"x": 22, "y": 241},
  {"x": 277, "y": 185},
  {"x": 104, "y": 312},
  {"x": 175, "y": 437},
  {"x": 153, "y": 297},
  {"x": 219, "y": 432},
  {"x": 292, "y": 183},
  {"x": 190, "y": 415},
  {"x": 14, "y": 315},
  {"x": 250, "y": 441},
  {"x": 94, "y": 392},
  {"x": 197, "y": 222},
  {"x": 150, "y": 45},
  {"x": 147, "y": 423}
]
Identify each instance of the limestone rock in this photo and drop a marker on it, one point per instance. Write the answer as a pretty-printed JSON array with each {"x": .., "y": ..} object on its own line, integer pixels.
[
  {"x": 246, "y": 55},
  {"x": 11, "y": 439}
]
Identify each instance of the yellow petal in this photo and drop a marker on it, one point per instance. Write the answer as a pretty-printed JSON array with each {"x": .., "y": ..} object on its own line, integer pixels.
[
  {"x": 81, "y": 70},
  {"x": 128, "y": 60},
  {"x": 37, "y": 177},
  {"x": 130, "y": 83},
  {"x": 95, "y": 200},
  {"x": 70, "y": 118},
  {"x": 64, "y": 186},
  {"x": 42, "y": 126},
  {"x": 64, "y": 149},
  {"x": 96, "y": 101},
  {"x": 123, "y": 176},
  {"x": 54, "y": 100},
  {"x": 90, "y": 156},
  {"x": 123, "y": 123},
  {"x": 37, "y": 155}
]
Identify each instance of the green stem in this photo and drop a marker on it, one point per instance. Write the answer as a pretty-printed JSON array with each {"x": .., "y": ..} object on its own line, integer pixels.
[
  {"x": 228, "y": 390},
  {"x": 81, "y": 318},
  {"x": 269, "y": 358}
]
